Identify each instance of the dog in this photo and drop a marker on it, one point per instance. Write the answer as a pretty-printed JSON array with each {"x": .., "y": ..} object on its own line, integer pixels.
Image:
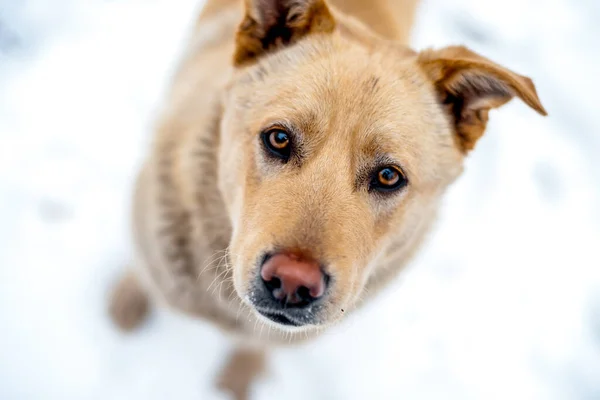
[{"x": 297, "y": 166}]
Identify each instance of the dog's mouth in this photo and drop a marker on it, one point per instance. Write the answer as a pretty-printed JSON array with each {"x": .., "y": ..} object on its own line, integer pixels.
[{"x": 279, "y": 318}]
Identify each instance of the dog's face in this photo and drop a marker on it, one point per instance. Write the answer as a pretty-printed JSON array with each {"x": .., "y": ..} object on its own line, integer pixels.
[{"x": 336, "y": 149}]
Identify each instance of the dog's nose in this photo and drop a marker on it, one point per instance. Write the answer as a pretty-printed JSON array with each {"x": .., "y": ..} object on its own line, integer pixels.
[{"x": 292, "y": 280}]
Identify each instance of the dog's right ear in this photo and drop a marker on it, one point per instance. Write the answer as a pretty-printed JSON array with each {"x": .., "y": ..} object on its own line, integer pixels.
[{"x": 271, "y": 24}]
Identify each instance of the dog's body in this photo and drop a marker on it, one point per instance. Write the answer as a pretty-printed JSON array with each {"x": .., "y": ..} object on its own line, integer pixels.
[{"x": 338, "y": 82}]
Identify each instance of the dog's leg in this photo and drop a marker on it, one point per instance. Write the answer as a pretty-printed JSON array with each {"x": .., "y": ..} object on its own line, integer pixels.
[
  {"x": 129, "y": 303},
  {"x": 242, "y": 368}
]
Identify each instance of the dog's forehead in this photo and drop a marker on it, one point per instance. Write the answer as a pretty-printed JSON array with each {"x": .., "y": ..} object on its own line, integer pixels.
[
  {"x": 361, "y": 102},
  {"x": 355, "y": 87}
]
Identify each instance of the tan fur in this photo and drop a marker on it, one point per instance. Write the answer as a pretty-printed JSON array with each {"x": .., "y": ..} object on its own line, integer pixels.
[
  {"x": 209, "y": 202},
  {"x": 129, "y": 303},
  {"x": 481, "y": 84},
  {"x": 242, "y": 368}
]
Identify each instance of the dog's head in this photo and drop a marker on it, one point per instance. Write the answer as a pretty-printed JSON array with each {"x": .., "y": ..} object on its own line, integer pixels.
[{"x": 336, "y": 148}]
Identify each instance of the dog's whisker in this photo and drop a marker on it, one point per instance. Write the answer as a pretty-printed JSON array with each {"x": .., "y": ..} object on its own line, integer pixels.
[
  {"x": 262, "y": 326},
  {"x": 212, "y": 262},
  {"x": 219, "y": 277},
  {"x": 215, "y": 280}
]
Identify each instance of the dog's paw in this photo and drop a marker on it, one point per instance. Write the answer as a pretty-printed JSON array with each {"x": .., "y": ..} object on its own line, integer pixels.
[
  {"x": 242, "y": 368},
  {"x": 129, "y": 303}
]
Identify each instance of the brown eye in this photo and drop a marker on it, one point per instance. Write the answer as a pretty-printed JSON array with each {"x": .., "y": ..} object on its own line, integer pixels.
[
  {"x": 388, "y": 176},
  {"x": 278, "y": 143},
  {"x": 388, "y": 179},
  {"x": 279, "y": 140}
]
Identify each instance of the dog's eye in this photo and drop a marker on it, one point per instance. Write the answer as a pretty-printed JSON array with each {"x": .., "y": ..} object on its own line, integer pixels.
[
  {"x": 278, "y": 143},
  {"x": 388, "y": 179}
]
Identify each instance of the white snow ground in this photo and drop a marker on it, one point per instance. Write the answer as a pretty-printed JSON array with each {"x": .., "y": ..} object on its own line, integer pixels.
[{"x": 504, "y": 302}]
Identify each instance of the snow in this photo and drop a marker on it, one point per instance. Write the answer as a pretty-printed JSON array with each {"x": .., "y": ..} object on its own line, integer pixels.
[{"x": 504, "y": 302}]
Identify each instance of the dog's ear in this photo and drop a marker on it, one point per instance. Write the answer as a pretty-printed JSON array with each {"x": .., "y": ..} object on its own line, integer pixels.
[
  {"x": 469, "y": 85},
  {"x": 269, "y": 24}
]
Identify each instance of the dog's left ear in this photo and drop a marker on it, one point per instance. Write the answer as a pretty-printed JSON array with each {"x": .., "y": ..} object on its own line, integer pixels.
[
  {"x": 270, "y": 24},
  {"x": 469, "y": 85}
]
